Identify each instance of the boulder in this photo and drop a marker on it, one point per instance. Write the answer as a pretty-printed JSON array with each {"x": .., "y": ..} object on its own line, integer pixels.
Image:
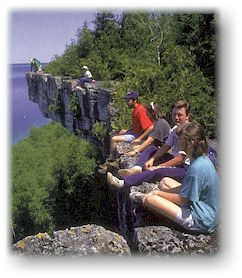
[
  {"x": 162, "y": 240},
  {"x": 77, "y": 241}
]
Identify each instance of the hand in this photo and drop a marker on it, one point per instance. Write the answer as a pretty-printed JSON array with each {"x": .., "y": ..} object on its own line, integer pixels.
[
  {"x": 156, "y": 167},
  {"x": 137, "y": 140},
  {"x": 132, "y": 153},
  {"x": 122, "y": 131},
  {"x": 149, "y": 164},
  {"x": 153, "y": 192},
  {"x": 153, "y": 168}
]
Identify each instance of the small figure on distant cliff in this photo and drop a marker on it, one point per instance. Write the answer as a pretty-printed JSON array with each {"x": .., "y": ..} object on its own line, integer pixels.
[
  {"x": 35, "y": 65},
  {"x": 141, "y": 125},
  {"x": 194, "y": 203},
  {"x": 87, "y": 77}
]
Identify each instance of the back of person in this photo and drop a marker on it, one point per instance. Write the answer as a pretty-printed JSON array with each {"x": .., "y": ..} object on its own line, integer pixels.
[
  {"x": 204, "y": 199},
  {"x": 141, "y": 121},
  {"x": 87, "y": 74},
  {"x": 160, "y": 132}
]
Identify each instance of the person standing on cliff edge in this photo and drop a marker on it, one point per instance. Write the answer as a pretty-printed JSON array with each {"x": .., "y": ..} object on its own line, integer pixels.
[{"x": 87, "y": 77}]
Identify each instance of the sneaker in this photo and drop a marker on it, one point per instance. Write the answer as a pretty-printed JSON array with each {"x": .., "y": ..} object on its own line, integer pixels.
[
  {"x": 113, "y": 181},
  {"x": 78, "y": 87},
  {"x": 137, "y": 196},
  {"x": 110, "y": 159},
  {"x": 103, "y": 168},
  {"x": 131, "y": 171}
]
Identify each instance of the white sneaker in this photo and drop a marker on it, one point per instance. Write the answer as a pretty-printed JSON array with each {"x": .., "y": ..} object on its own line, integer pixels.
[
  {"x": 131, "y": 171},
  {"x": 113, "y": 181}
]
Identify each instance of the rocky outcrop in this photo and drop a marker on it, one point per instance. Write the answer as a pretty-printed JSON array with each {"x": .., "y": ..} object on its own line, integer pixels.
[
  {"x": 79, "y": 110},
  {"x": 148, "y": 233},
  {"x": 144, "y": 232},
  {"x": 164, "y": 241},
  {"x": 78, "y": 241}
]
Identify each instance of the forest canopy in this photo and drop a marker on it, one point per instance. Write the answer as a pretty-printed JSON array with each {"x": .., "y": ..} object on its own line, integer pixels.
[{"x": 163, "y": 56}]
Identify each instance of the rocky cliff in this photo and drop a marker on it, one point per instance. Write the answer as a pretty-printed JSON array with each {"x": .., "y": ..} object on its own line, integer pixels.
[{"x": 83, "y": 112}]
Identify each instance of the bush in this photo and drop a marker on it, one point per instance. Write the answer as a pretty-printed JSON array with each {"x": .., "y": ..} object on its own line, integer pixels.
[{"x": 53, "y": 182}]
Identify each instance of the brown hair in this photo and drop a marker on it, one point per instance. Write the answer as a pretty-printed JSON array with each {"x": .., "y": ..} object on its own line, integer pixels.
[
  {"x": 154, "y": 112},
  {"x": 194, "y": 132},
  {"x": 182, "y": 104}
]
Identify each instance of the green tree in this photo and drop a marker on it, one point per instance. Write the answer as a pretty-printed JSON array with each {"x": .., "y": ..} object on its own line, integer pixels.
[
  {"x": 163, "y": 56},
  {"x": 53, "y": 182},
  {"x": 198, "y": 33},
  {"x": 85, "y": 42}
]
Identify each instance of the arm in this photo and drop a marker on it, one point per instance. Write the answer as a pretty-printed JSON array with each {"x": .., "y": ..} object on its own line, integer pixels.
[
  {"x": 143, "y": 146},
  {"x": 143, "y": 135},
  {"x": 163, "y": 150},
  {"x": 121, "y": 132},
  {"x": 179, "y": 159},
  {"x": 150, "y": 140}
]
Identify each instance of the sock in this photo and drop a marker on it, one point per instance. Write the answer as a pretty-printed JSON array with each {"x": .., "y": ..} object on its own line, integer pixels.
[{"x": 137, "y": 167}]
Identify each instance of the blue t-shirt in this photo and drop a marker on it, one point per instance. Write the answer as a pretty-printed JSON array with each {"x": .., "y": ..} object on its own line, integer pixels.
[{"x": 200, "y": 186}]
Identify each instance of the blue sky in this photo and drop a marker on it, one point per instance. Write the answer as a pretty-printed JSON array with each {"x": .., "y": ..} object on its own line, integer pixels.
[{"x": 43, "y": 33}]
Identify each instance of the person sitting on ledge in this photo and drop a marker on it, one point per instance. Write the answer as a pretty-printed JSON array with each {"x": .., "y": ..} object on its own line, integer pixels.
[
  {"x": 141, "y": 125},
  {"x": 35, "y": 65},
  {"x": 194, "y": 203},
  {"x": 87, "y": 77},
  {"x": 155, "y": 140},
  {"x": 172, "y": 165}
]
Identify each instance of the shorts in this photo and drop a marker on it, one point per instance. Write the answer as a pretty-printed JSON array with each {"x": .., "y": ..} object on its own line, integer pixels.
[
  {"x": 184, "y": 219},
  {"x": 129, "y": 136}
]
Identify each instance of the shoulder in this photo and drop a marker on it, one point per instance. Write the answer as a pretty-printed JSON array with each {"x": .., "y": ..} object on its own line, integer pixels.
[
  {"x": 202, "y": 166},
  {"x": 163, "y": 122},
  {"x": 173, "y": 131},
  {"x": 140, "y": 109}
]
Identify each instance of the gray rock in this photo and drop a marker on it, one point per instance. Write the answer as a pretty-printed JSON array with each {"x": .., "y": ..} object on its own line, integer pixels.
[
  {"x": 94, "y": 105},
  {"x": 78, "y": 241},
  {"x": 161, "y": 240}
]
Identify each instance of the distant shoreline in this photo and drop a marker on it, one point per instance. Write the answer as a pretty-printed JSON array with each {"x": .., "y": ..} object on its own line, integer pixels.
[{"x": 15, "y": 64}]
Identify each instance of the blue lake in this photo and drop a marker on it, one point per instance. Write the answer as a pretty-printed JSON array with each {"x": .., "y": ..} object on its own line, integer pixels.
[{"x": 24, "y": 113}]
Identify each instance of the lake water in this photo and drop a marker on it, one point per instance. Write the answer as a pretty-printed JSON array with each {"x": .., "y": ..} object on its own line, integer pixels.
[{"x": 24, "y": 113}]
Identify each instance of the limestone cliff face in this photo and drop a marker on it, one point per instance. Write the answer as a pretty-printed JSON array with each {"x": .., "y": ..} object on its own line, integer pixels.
[{"x": 77, "y": 110}]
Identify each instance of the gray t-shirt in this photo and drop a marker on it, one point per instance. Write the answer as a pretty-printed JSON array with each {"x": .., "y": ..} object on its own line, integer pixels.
[{"x": 160, "y": 132}]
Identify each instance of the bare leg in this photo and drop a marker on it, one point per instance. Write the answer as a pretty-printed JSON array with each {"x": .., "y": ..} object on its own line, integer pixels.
[
  {"x": 166, "y": 184},
  {"x": 161, "y": 206},
  {"x": 113, "y": 144}
]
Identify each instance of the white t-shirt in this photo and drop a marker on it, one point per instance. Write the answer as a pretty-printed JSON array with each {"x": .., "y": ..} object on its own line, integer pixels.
[
  {"x": 172, "y": 142},
  {"x": 87, "y": 74}
]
